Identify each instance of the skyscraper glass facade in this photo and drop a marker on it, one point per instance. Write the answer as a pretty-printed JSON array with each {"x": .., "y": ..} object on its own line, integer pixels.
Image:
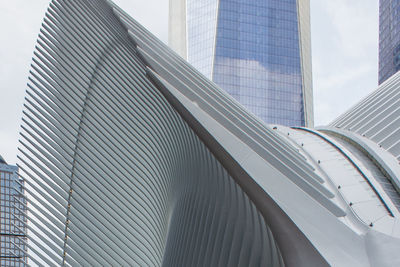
[
  {"x": 12, "y": 218},
  {"x": 252, "y": 50},
  {"x": 202, "y": 17},
  {"x": 389, "y": 38}
]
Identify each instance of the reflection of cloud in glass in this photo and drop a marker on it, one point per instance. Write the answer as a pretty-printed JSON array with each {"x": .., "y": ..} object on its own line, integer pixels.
[{"x": 274, "y": 96}]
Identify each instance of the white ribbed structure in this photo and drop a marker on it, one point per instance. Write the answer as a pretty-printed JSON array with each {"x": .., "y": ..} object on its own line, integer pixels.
[
  {"x": 112, "y": 171},
  {"x": 377, "y": 117}
]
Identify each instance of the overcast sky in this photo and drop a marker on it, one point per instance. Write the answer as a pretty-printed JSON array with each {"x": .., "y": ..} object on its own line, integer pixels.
[{"x": 344, "y": 54}]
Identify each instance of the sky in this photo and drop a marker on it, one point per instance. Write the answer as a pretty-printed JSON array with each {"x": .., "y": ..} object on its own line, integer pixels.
[{"x": 344, "y": 54}]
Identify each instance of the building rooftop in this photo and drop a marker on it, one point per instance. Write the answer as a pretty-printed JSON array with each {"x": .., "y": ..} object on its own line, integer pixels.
[{"x": 2, "y": 161}]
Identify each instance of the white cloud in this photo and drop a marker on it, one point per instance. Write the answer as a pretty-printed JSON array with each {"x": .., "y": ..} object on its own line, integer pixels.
[
  {"x": 345, "y": 54},
  {"x": 19, "y": 25},
  {"x": 152, "y": 14}
]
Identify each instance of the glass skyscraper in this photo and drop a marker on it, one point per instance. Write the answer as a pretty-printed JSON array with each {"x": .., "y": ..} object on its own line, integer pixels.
[
  {"x": 12, "y": 217},
  {"x": 389, "y": 38},
  {"x": 257, "y": 51}
]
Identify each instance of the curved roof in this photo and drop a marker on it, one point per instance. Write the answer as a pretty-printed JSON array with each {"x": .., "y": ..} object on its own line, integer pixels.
[
  {"x": 377, "y": 117},
  {"x": 361, "y": 187}
]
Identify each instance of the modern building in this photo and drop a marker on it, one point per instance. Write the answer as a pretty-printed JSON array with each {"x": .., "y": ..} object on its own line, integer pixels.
[
  {"x": 132, "y": 157},
  {"x": 12, "y": 217},
  {"x": 389, "y": 39},
  {"x": 257, "y": 51},
  {"x": 377, "y": 117}
]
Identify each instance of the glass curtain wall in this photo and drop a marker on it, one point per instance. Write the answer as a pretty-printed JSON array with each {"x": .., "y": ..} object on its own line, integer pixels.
[
  {"x": 255, "y": 55},
  {"x": 12, "y": 218},
  {"x": 389, "y": 38}
]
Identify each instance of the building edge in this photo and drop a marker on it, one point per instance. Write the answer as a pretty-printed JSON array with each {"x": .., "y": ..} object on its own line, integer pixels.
[
  {"x": 303, "y": 12},
  {"x": 177, "y": 27}
]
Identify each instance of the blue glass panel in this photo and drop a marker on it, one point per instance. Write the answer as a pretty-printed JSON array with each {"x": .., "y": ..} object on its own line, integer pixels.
[
  {"x": 257, "y": 58},
  {"x": 389, "y": 38}
]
